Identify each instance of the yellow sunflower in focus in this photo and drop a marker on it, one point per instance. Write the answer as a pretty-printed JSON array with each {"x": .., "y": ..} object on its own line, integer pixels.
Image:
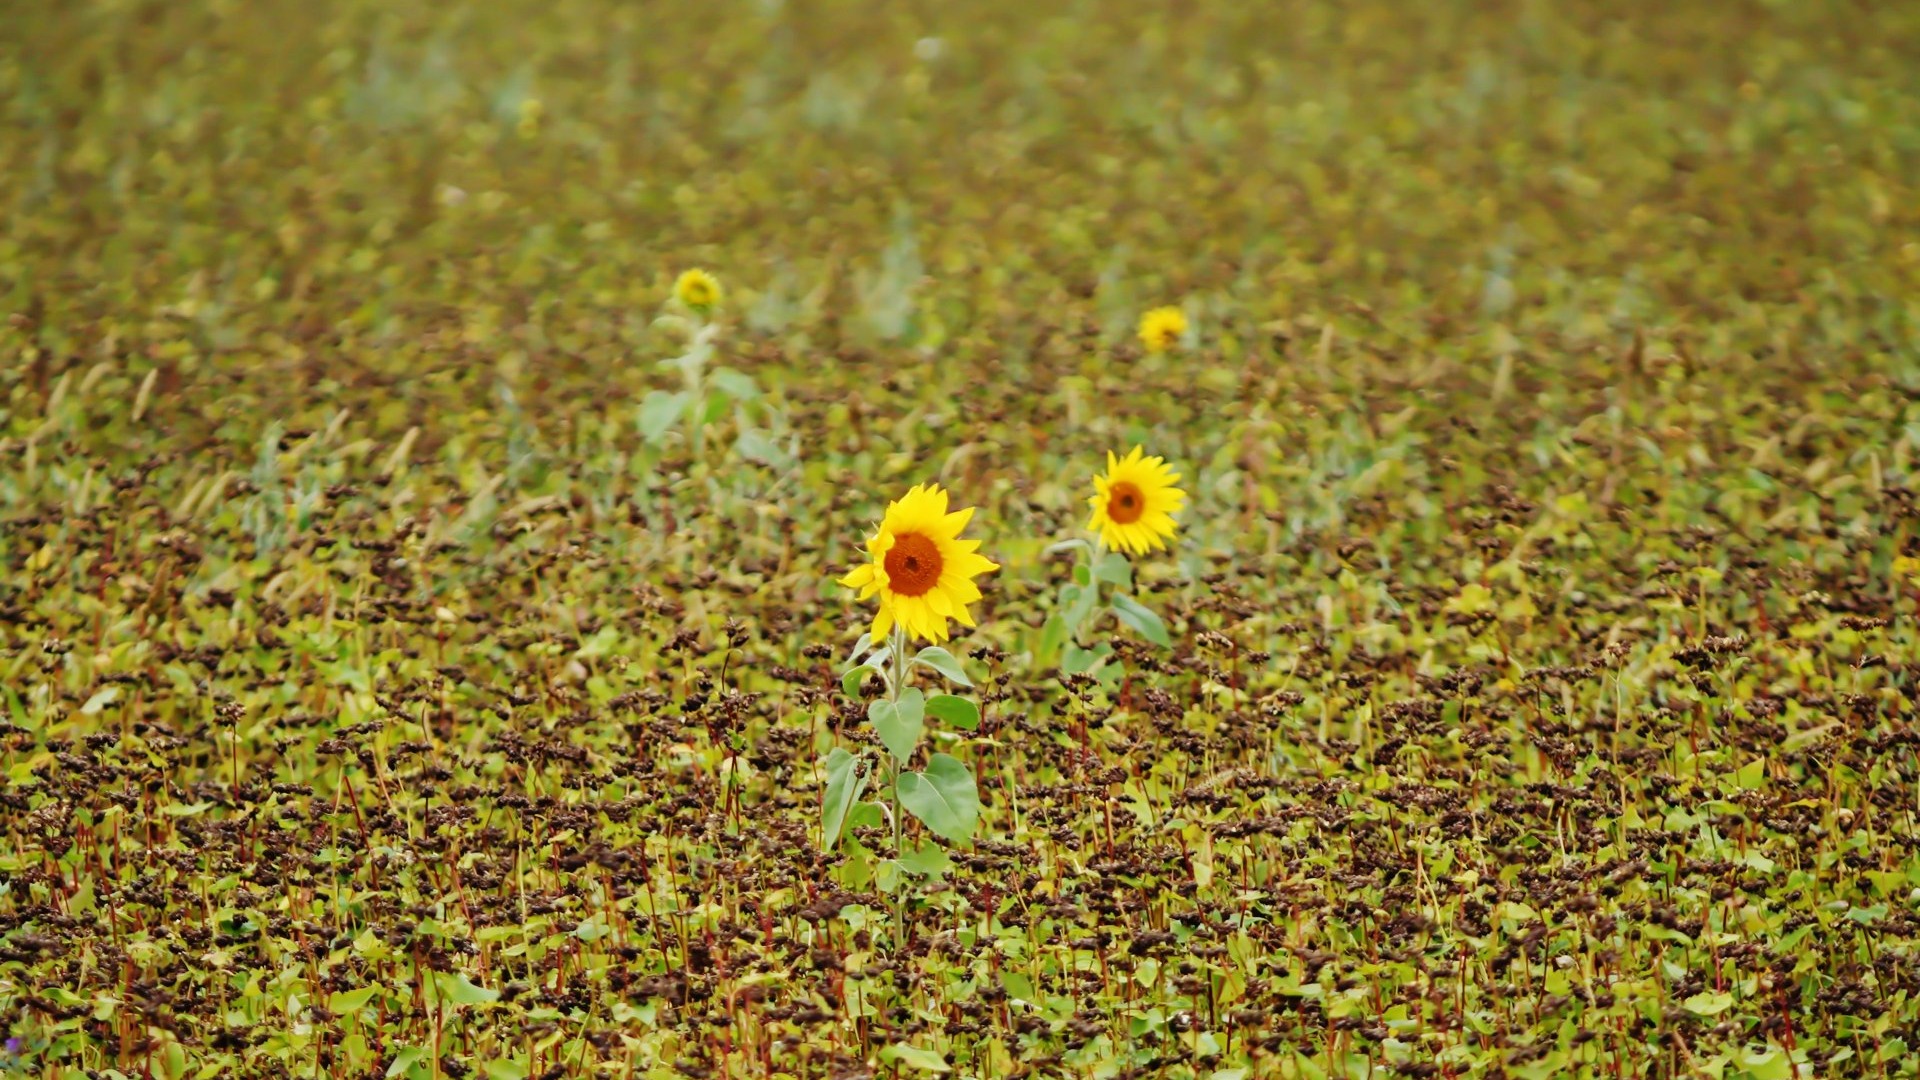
[
  {"x": 1134, "y": 503},
  {"x": 698, "y": 290},
  {"x": 1162, "y": 328},
  {"x": 919, "y": 567}
]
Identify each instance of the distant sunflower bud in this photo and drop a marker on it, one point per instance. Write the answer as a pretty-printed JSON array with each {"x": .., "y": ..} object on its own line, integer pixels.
[
  {"x": 698, "y": 291},
  {"x": 1162, "y": 328}
]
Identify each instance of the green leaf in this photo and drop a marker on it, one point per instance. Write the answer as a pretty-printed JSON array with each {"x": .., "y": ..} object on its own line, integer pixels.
[
  {"x": 403, "y": 1059},
  {"x": 659, "y": 411},
  {"x": 902, "y": 1054},
  {"x": 867, "y": 815},
  {"x": 926, "y": 860},
  {"x": 101, "y": 698},
  {"x": 1076, "y": 603},
  {"x": 1767, "y": 1063},
  {"x": 954, "y": 711},
  {"x": 845, "y": 782},
  {"x": 944, "y": 797},
  {"x": 1079, "y": 661},
  {"x": 457, "y": 990},
  {"x": 173, "y": 1061},
  {"x": 860, "y": 647},
  {"x": 1053, "y": 636},
  {"x": 1114, "y": 569},
  {"x": 944, "y": 662},
  {"x": 716, "y": 408},
  {"x": 754, "y": 445},
  {"x": 737, "y": 385},
  {"x": 1142, "y": 620},
  {"x": 850, "y": 682},
  {"x": 900, "y": 723},
  {"x": 504, "y": 1069},
  {"x": 1705, "y": 1003},
  {"x": 348, "y": 1002}
]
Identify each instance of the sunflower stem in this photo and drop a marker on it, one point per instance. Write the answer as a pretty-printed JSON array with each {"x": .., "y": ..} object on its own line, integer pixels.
[
  {"x": 899, "y": 663},
  {"x": 1099, "y": 551}
]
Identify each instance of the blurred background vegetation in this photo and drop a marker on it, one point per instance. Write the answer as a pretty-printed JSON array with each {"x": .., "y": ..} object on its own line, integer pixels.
[{"x": 1549, "y": 409}]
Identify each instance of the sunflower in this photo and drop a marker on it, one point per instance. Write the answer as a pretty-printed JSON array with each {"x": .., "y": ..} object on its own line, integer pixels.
[
  {"x": 1134, "y": 503},
  {"x": 920, "y": 568},
  {"x": 698, "y": 290},
  {"x": 1162, "y": 328}
]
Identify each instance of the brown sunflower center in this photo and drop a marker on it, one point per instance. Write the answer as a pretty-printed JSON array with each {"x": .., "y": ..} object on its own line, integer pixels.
[
  {"x": 1125, "y": 504},
  {"x": 913, "y": 564}
]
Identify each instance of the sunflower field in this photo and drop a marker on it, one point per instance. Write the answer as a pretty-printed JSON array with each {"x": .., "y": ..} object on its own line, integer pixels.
[{"x": 830, "y": 538}]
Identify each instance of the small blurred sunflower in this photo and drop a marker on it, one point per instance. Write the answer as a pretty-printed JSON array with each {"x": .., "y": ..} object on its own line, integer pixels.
[
  {"x": 1162, "y": 328},
  {"x": 698, "y": 290}
]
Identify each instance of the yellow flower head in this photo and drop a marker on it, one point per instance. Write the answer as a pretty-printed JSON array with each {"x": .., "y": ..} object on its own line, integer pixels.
[
  {"x": 1162, "y": 328},
  {"x": 1134, "y": 503},
  {"x": 698, "y": 290},
  {"x": 920, "y": 568}
]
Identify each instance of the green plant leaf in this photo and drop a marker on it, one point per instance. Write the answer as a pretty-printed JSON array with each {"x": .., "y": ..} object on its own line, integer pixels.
[
  {"x": 867, "y": 815},
  {"x": 860, "y": 647},
  {"x": 1114, "y": 569},
  {"x": 348, "y": 1002},
  {"x": 1053, "y": 638},
  {"x": 1707, "y": 1003},
  {"x": 902, "y": 1054},
  {"x": 944, "y": 662},
  {"x": 659, "y": 411},
  {"x": 1141, "y": 619},
  {"x": 954, "y": 711},
  {"x": 1076, "y": 603},
  {"x": 403, "y": 1059},
  {"x": 1079, "y": 661},
  {"x": 926, "y": 860},
  {"x": 900, "y": 723},
  {"x": 101, "y": 698},
  {"x": 845, "y": 782},
  {"x": 756, "y": 446},
  {"x": 737, "y": 385},
  {"x": 943, "y": 797},
  {"x": 456, "y": 989}
]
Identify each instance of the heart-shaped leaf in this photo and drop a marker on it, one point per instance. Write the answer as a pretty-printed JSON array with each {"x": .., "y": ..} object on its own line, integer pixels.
[
  {"x": 944, "y": 797},
  {"x": 900, "y": 723}
]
